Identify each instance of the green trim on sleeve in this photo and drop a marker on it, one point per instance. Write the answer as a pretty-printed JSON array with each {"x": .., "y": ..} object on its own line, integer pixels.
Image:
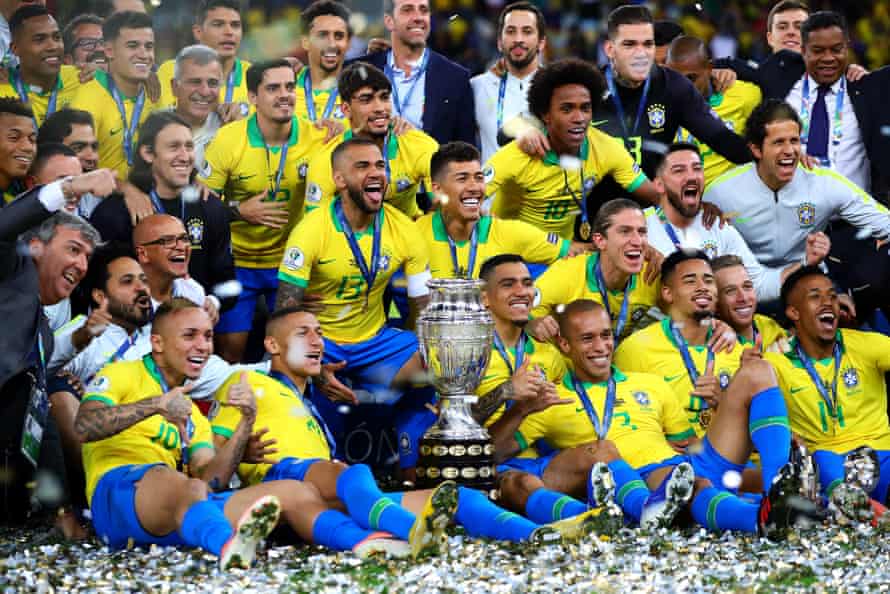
[
  {"x": 292, "y": 279},
  {"x": 225, "y": 432},
  {"x": 680, "y": 436},
  {"x": 199, "y": 446},
  {"x": 637, "y": 182},
  {"x": 564, "y": 248},
  {"x": 97, "y": 398},
  {"x": 523, "y": 444}
]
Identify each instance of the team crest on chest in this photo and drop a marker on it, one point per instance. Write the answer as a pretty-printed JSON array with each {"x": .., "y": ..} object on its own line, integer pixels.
[
  {"x": 195, "y": 228},
  {"x": 806, "y": 214},
  {"x": 710, "y": 248},
  {"x": 642, "y": 398},
  {"x": 851, "y": 378},
  {"x": 383, "y": 262},
  {"x": 656, "y": 115},
  {"x": 402, "y": 184},
  {"x": 488, "y": 173}
]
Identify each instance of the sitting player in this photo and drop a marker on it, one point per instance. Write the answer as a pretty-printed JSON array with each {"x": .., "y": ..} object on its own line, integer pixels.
[{"x": 737, "y": 302}]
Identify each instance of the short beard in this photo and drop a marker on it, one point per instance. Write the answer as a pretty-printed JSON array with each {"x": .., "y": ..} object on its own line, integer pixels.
[
  {"x": 676, "y": 201},
  {"x": 530, "y": 57},
  {"x": 357, "y": 197},
  {"x": 413, "y": 45},
  {"x": 700, "y": 316}
]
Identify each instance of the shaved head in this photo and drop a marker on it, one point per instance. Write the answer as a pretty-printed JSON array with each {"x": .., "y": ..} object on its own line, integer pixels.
[
  {"x": 149, "y": 228},
  {"x": 686, "y": 48}
]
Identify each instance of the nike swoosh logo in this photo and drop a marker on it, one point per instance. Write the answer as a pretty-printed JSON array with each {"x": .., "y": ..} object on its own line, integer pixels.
[
  {"x": 113, "y": 132},
  {"x": 599, "y": 123},
  {"x": 670, "y": 378},
  {"x": 796, "y": 390},
  {"x": 328, "y": 261},
  {"x": 244, "y": 177},
  {"x": 579, "y": 410}
]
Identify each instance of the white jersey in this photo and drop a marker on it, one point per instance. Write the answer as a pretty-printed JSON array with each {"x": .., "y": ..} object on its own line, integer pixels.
[
  {"x": 776, "y": 224},
  {"x": 715, "y": 241},
  {"x": 486, "y": 91}
]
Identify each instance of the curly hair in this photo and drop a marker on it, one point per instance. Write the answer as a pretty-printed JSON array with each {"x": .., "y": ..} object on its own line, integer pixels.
[{"x": 570, "y": 71}]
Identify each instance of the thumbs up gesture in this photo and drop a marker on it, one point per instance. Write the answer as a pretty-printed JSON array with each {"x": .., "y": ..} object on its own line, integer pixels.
[
  {"x": 755, "y": 352},
  {"x": 95, "y": 325},
  {"x": 241, "y": 396}
]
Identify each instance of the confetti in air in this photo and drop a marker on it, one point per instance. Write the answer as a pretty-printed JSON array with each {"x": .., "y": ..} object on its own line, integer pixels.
[
  {"x": 732, "y": 479},
  {"x": 442, "y": 199},
  {"x": 560, "y": 308},
  {"x": 296, "y": 353},
  {"x": 227, "y": 289},
  {"x": 344, "y": 409},
  {"x": 570, "y": 163},
  {"x": 191, "y": 194},
  {"x": 864, "y": 233}
]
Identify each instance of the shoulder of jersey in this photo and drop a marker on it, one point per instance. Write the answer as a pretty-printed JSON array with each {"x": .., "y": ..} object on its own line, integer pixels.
[
  {"x": 420, "y": 137},
  {"x": 741, "y": 88},
  {"x": 597, "y": 135},
  {"x": 395, "y": 215},
  {"x": 647, "y": 334},
  {"x": 165, "y": 66},
  {"x": 509, "y": 151},
  {"x": 731, "y": 174},
  {"x": 236, "y": 129},
  {"x": 69, "y": 74},
  {"x": 424, "y": 222},
  {"x": 641, "y": 377}
]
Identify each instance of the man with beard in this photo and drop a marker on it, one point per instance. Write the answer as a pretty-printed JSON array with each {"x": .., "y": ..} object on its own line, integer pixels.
[
  {"x": 259, "y": 165},
  {"x": 500, "y": 97},
  {"x": 40, "y": 80},
  {"x": 162, "y": 169},
  {"x": 367, "y": 104},
  {"x": 218, "y": 26},
  {"x": 326, "y": 37},
  {"x": 677, "y": 223},
  {"x": 737, "y": 304},
  {"x": 74, "y": 128},
  {"x": 346, "y": 253}
]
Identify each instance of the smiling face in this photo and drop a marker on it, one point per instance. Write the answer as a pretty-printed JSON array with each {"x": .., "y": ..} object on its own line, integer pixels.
[
  {"x": 82, "y": 141},
  {"x": 125, "y": 294},
  {"x": 18, "y": 145},
  {"x": 132, "y": 55},
  {"x": 736, "y": 297},
  {"x": 172, "y": 158},
  {"x": 588, "y": 341},
  {"x": 691, "y": 291},
  {"x": 568, "y": 118},
  {"x": 785, "y": 32},
  {"x": 327, "y": 42},
  {"x": 197, "y": 90},
  {"x": 464, "y": 185},
  {"x": 625, "y": 239},
  {"x": 360, "y": 174},
  {"x": 164, "y": 248},
  {"x": 409, "y": 22},
  {"x": 184, "y": 342},
  {"x": 778, "y": 156},
  {"x": 297, "y": 339},
  {"x": 87, "y": 39},
  {"x": 221, "y": 30},
  {"x": 61, "y": 263},
  {"x": 276, "y": 95},
  {"x": 38, "y": 44},
  {"x": 369, "y": 111},
  {"x": 813, "y": 308},
  {"x": 520, "y": 41},
  {"x": 509, "y": 293},
  {"x": 682, "y": 178},
  {"x": 632, "y": 51},
  {"x": 825, "y": 55}
]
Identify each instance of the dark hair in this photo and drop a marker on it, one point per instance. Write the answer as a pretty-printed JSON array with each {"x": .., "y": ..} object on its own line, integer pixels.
[
  {"x": 523, "y": 6},
  {"x": 666, "y": 32},
  {"x": 171, "y": 307},
  {"x": 140, "y": 172},
  {"x": 73, "y": 24},
  {"x": 771, "y": 110},
  {"x": 824, "y": 19},
  {"x": 280, "y": 314},
  {"x": 784, "y": 6},
  {"x": 13, "y": 106},
  {"x": 325, "y": 8},
  {"x": 359, "y": 75},
  {"x": 675, "y": 259},
  {"x": 46, "y": 151},
  {"x": 676, "y": 147},
  {"x": 127, "y": 19},
  {"x": 59, "y": 125},
  {"x": 577, "y": 306},
  {"x": 207, "y": 5},
  {"x": 490, "y": 265},
  {"x": 256, "y": 72},
  {"x": 684, "y": 46},
  {"x": 726, "y": 261},
  {"x": 628, "y": 15},
  {"x": 569, "y": 71},
  {"x": 794, "y": 279},
  {"x": 28, "y": 11},
  {"x": 452, "y": 152},
  {"x": 346, "y": 145},
  {"x": 97, "y": 273},
  {"x": 607, "y": 212}
]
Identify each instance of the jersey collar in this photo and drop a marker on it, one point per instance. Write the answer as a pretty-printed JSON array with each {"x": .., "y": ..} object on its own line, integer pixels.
[
  {"x": 551, "y": 158},
  {"x": 28, "y": 89},
  {"x": 152, "y": 368},
  {"x": 255, "y": 137},
  {"x": 441, "y": 234},
  {"x": 358, "y": 234},
  {"x": 666, "y": 328},
  {"x": 238, "y": 71},
  {"x": 616, "y": 373},
  {"x": 792, "y": 351},
  {"x": 592, "y": 259},
  {"x": 102, "y": 78}
]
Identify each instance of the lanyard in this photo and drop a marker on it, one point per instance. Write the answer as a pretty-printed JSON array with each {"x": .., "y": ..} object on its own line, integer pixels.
[
  {"x": 581, "y": 202},
  {"x": 230, "y": 83},
  {"x": 830, "y": 398},
  {"x": 399, "y": 106},
  {"x": 755, "y": 332},
  {"x": 159, "y": 205},
  {"x": 604, "y": 295},
  {"x": 41, "y": 362},
  {"x": 691, "y": 370},
  {"x": 386, "y": 162},
  {"x": 600, "y": 428},
  {"x": 23, "y": 94},
  {"x": 117, "y": 355},
  {"x": 501, "y": 348},
  {"x": 668, "y": 228},
  {"x": 129, "y": 130},
  {"x": 471, "y": 262},
  {"x": 281, "y": 163},
  {"x": 616, "y": 101},
  {"x": 307, "y": 402},
  {"x": 502, "y": 91},
  {"x": 368, "y": 273},
  {"x": 190, "y": 425},
  {"x": 837, "y": 131},
  {"x": 310, "y": 102}
]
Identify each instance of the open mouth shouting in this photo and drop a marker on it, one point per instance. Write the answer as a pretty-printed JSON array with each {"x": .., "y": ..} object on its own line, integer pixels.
[
  {"x": 195, "y": 363},
  {"x": 826, "y": 321},
  {"x": 373, "y": 191}
]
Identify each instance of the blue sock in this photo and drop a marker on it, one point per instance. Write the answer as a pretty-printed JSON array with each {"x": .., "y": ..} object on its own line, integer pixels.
[
  {"x": 545, "y": 506},
  {"x": 367, "y": 504},
  {"x": 335, "y": 530},
  {"x": 480, "y": 517},
  {"x": 205, "y": 525},
  {"x": 770, "y": 432},
  {"x": 631, "y": 490},
  {"x": 718, "y": 510}
]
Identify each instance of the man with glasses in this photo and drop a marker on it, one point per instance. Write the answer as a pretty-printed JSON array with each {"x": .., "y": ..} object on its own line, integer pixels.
[{"x": 82, "y": 38}]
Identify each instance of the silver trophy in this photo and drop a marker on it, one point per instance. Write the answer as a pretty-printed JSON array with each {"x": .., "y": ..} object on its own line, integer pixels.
[{"x": 455, "y": 333}]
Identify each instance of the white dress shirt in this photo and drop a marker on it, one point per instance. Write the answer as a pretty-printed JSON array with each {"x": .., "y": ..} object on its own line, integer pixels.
[
  {"x": 413, "y": 109},
  {"x": 486, "y": 90}
]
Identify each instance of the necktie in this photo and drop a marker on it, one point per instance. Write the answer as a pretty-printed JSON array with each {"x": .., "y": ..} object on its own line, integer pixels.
[{"x": 817, "y": 143}]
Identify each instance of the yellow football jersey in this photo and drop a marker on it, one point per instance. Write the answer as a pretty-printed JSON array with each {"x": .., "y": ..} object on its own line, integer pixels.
[
  {"x": 860, "y": 418},
  {"x": 575, "y": 278},
  {"x": 769, "y": 329},
  {"x": 408, "y": 158},
  {"x": 645, "y": 417},
  {"x": 237, "y": 79},
  {"x": 318, "y": 258},
  {"x": 320, "y": 99},
  {"x": 150, "y": 441},
  {"x": 240, "y": 165},
  {"x": 543, "y": 354},
  {"x": 543, "y": 193},
  {"x": 96, "y": 98},
  {"x": 653, "y": 350},
  {"x": 281, "y": 411},
  {"x": 732, "y": 108},
  {"x": 494, "y": 236},
  {"x": 67, "y": 84}
]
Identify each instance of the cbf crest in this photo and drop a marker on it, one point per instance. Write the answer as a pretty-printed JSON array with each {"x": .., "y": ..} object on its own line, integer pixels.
[
  {"x": 402, "y": 184},
  {"x": 724, "y": 377},
  {"x": 642, "y": 398},
  {"x": 806, "y": 214},
  {"x": 710, "y": 248},
  {"x": 851, "y": 378},
  {"x": 657, "y": 116},
  {"x": 195, "y": 229}
]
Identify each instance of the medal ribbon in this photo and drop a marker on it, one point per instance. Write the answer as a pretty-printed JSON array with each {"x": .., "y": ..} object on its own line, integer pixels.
[
  {"x": 399, "y": 106},
  {"x": 123, "y": 348},
  {"x": 502, "y": 92},
  {"x": 616, "y": 101},
  {"x": 691, "y": 369},
  {"x": 604, "y": 295},
  {"x": 159, "y": 205},
  {"x": 668, "y": 228},
  {"x": 129, "y": 129},
  {"x": 837, "y": 132},
  {"x": 19, "y": 85},
  {"x": 368, "y": 273},
  {"x": 310, "y": 102},
  {"x": 230, "y": 84},
  {"x": 471, "y": 263},
  {"x": 281, "y": 163},
  {"x": 600, "y": 428},
  {"x": 307, "y": 402},
  {"x": 830, "y": 398}
]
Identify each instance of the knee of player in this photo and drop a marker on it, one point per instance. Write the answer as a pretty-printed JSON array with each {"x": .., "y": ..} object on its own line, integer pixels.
[
  {"x": 195, "y": 490},
  {"x": 701, "y": 483},
  {"x": 514, "y": 483}
]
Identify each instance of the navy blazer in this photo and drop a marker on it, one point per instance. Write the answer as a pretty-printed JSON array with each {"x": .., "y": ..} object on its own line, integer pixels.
[
  {"x": 448, "y": 111},
  {"x": 778, "y": 74}
]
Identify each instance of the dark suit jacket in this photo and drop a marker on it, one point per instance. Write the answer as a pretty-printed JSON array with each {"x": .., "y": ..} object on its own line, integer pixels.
[
  {"x": 448, "y": 112},
  {"x": 20, "y": 307},
  {"x": 776, "y": 77}
]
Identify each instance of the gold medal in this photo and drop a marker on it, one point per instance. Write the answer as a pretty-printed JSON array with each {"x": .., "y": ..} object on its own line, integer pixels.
[
  {"x": 584, "y": 231},
  {"x": 704, "y": 417}
]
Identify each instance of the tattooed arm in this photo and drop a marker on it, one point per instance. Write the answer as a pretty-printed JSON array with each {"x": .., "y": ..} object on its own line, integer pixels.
[
  {"x": 289, "y": 295},
  {"x": 96, "y": 420},
  {"x": 488, "y": 403},
  {"x": 217, "y": 470}
]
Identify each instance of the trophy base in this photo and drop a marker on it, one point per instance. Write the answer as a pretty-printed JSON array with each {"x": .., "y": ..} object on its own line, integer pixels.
[{"x": 468, "y": 462}]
